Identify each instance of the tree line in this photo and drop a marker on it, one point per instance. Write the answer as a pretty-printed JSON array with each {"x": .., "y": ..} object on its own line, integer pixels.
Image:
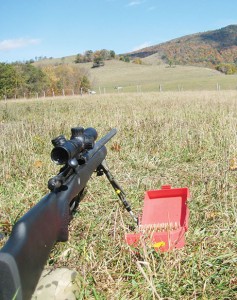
[
  {"x": 99, "y": 56},
  {"x": 25, "y": 80},
  {"x": 96, "y": 57}
]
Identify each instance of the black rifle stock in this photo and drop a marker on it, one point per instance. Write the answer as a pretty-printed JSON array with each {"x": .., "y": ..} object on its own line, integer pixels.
[{"x": 23, "y": 257}]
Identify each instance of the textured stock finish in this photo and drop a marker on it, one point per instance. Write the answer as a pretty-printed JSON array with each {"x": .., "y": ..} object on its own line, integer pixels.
[
  {"x": 9, "y": 277},
  {"x": 23, "y": 257}
]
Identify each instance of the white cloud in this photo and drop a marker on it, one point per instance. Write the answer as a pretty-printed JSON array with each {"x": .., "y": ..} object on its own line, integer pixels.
[
  {"x": 134, "y": 3},
  {"x": 6, "y": 45},
  {"x": 151, "y": 8},
  {"x": 144, "y": 45}
]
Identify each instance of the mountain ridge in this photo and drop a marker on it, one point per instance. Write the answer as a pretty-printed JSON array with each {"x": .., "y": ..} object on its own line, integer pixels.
[{"x": 208, "y": 49}]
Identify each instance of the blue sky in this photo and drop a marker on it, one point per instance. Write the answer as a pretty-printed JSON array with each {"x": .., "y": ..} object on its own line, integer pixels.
[{"x": 58, "y": 28}]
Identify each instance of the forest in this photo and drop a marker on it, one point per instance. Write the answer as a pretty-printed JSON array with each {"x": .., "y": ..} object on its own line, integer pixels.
[{"x": 23, "y": 80}]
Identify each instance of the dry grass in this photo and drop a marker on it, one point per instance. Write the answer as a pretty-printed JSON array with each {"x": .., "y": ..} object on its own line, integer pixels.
[{"x": 182, "y": 139}]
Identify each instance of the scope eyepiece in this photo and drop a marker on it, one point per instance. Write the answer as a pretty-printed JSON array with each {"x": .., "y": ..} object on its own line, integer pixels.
[{"x": 81, "y": 139}]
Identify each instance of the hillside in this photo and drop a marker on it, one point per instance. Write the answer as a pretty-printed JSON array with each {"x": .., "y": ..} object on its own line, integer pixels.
[
  {"x": 203, "y": 49},
  {"x": 148, "y": 76},
  {"x": 194, "y": 56}
]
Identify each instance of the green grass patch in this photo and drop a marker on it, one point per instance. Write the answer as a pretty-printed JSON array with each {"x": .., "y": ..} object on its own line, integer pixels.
[{"x": 186, "y": 139}]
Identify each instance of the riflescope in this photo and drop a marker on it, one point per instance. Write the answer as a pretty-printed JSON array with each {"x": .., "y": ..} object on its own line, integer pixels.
[{"x": 81, "y": 139}]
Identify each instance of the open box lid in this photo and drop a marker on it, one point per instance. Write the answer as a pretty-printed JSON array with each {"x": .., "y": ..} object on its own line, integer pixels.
[
  {"x": 164, "y": 219},
  {"x": 166, "y": 205}
]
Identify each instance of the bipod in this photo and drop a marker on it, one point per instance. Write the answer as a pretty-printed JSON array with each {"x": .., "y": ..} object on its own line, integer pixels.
[{"x": 103, "y": 169}]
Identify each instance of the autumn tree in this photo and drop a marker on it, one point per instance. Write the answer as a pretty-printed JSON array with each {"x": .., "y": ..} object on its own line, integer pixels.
[
  {"x": 66, "y": 77},
  {"x": 112, "y": 54},
  {"x": 88, "y": 56},
  {"x": 137, "y": 61},
  {"x": 79, "y": 58},
  {"x": 227, "y": 69},
  {"x": 17, "y": 79},
  {"x": 7, "y": 80}
]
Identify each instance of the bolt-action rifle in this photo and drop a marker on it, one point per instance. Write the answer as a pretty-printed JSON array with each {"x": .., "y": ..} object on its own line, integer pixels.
[{"x": 24, "y": 255}]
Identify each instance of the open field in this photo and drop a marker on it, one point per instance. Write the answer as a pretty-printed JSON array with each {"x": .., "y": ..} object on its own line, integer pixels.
[
  {"x": 186, "y": 139},
  {"x": 151, "y": 77}
]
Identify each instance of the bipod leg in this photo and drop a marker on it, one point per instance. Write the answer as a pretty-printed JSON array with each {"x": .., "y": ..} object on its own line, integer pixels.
[{"x": 103, "y": 169}]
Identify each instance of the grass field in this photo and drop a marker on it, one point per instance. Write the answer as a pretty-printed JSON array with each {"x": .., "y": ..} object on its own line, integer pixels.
[
  {"x": 151, "y": 77},
  {"x": 186, "y": 139}
]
